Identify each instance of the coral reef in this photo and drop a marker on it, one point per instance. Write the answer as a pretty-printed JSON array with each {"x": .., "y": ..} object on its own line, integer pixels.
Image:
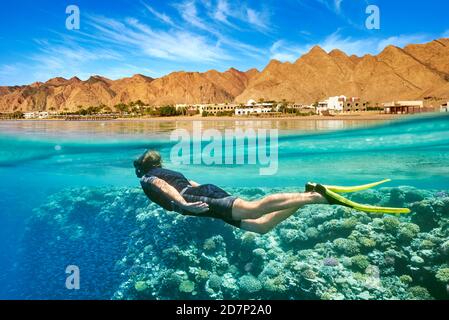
[{"x": 128, "y": 248}]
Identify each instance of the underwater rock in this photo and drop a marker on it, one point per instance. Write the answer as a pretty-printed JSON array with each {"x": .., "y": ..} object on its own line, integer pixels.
[
  {"x": 424, "y": 215},
  {"x": 346, "y": 246},
  {"x": 391, "y": 224},
  {"x": 322, "y": 252},
  {"x": 417, "y": 261},
  {"x": 397, "y": 197},
  {"x": 414, "y": 196},
  {"x": 330, "y": 262},
  {"x": 371, "y": 197},
  {"x": 292, "y": 236},
  {"x": 408, "y": 231},
  {"x": 215, "y": 282},
  {"x": 140, "y": 286},
  {"x": 406, "y": 279},
  {"x": 249, "y": 284},
  {"x": 444, "y": 248},
  {"x": 360, "y": 262},
  {"x": 187, "y": 286},
  {"x": 443, "y": 275},
  {"x": 420, "y": 293}
]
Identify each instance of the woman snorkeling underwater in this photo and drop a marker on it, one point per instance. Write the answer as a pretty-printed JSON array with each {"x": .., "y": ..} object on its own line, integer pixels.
[{"x": 174, "y": 192}]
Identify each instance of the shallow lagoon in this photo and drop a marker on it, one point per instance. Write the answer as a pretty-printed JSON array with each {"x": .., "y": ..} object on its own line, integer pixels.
[{"x": 41, "y": 159}]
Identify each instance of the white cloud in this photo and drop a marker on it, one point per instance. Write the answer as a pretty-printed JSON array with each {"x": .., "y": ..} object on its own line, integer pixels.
[
  {"x": 285, "y": 51},
  {"x": 212, "y": 16},
  {"x": 337, "y": 5},
  {"x": 257, "y": 19},
  {"x": 403, "y": 40},
  {"x": 130, "y": 39},
  {"x": 188, "y": 11},
  {"x": 66, "y": 60},
  {"x": 174, "y": 45},
  {"x": 161, "y": 16},
  {"x": 8, "y": 69},
  {"x": 349, "y": 45},
  {"x": 222, "y": 11},
  {"x": 332, "y": 5}
]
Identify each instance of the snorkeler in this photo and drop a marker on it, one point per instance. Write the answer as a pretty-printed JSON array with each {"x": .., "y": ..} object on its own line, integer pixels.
[{"x": 174, "y": 192}]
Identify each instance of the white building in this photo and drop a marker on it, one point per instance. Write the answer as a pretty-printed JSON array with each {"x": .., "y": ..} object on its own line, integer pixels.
[
  {"x": 332, "y": 104},
  {"x": 444, "y": 107},
  {"x": 253, "y": 107},
  {"x": 253, "y": 103},
  {"x": 36, "y": 115},
  {"x": 30, "y": 115},
  {"x": 43, "y": 115},
  {"x": 247, "y": 111}
]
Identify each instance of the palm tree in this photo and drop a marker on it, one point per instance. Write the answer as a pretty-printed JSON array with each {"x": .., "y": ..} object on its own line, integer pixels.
[
  {"x": 107, "y": 109},
  {"x": 139, "y": 103},
  {"x": 122, "y": 108}
]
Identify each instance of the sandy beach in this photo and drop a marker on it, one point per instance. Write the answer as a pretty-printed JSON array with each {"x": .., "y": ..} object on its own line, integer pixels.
[
  {"x": 365, "y": 116},
  {"x": 361, "y": 116}
]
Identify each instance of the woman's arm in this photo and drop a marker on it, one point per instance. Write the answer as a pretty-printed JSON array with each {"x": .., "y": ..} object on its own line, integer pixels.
[{"x": 170, "y": 192}]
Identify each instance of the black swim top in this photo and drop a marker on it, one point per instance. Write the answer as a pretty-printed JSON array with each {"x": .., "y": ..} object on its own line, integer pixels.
[{"x": 173, "y": 178}]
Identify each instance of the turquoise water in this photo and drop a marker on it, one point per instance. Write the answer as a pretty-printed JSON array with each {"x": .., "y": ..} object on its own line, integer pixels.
[{"x": 39, "y": 159}]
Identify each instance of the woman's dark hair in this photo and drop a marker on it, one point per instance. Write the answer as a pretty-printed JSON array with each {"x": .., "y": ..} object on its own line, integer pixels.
[{"x": 149, "y": 160}]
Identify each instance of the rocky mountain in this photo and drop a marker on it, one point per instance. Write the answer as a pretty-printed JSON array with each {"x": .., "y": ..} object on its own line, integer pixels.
[
  {"x": 414, "y": 72},
  {"x": 178, "y": 87}
]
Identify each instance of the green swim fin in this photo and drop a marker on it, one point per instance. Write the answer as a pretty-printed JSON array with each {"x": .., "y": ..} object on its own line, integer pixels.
[
  {"x": 340, "y": 189},
  {"x": 335, "y": 198}
]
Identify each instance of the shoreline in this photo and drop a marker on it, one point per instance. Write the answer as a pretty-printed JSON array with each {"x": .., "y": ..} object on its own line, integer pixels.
[
  {"x": 255, "y": 118},
  {"x": 348, "y": 117}
]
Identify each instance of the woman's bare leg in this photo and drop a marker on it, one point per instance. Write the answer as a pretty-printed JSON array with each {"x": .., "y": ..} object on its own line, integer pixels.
[
  {"x": 243, "y": 210},
  {"x": 268, "y": 222}
]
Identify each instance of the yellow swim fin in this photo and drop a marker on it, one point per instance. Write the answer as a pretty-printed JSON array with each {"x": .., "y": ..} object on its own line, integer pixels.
[
  {"x": 340, "y": 189},
  {"x": 335, "y": 198}
]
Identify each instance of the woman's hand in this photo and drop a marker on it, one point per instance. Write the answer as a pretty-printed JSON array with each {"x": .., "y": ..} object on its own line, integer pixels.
[{"x": 195, "y": 207}]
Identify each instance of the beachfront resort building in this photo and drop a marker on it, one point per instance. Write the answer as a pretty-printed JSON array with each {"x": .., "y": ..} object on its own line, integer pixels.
[
  {"x": 253, "y": 107},
  {"x": 354, "y": 104},
  {"x": 249, "y": 111},
  {"x": 331, "y": 105},
  {"x": 298, "y": 108},
  {"x": 342, "y": 104},
  {"x": 444, "y": 107},
  {"x": 215, "y": 109},
  {"x": 210, "y": 109},
  {"x": 37, "y": 115},
  {"x": 404, "y": 107}
]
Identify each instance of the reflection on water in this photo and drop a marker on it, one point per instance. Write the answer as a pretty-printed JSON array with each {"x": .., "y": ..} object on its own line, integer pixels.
[{"x": 158, "y": 128}]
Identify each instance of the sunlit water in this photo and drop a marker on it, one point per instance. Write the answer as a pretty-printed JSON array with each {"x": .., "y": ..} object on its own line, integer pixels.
[{"x": 37, "y": 159}]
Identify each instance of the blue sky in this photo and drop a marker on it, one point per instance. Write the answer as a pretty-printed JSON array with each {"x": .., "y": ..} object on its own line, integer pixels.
[{"x": 120, "y": 38}]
